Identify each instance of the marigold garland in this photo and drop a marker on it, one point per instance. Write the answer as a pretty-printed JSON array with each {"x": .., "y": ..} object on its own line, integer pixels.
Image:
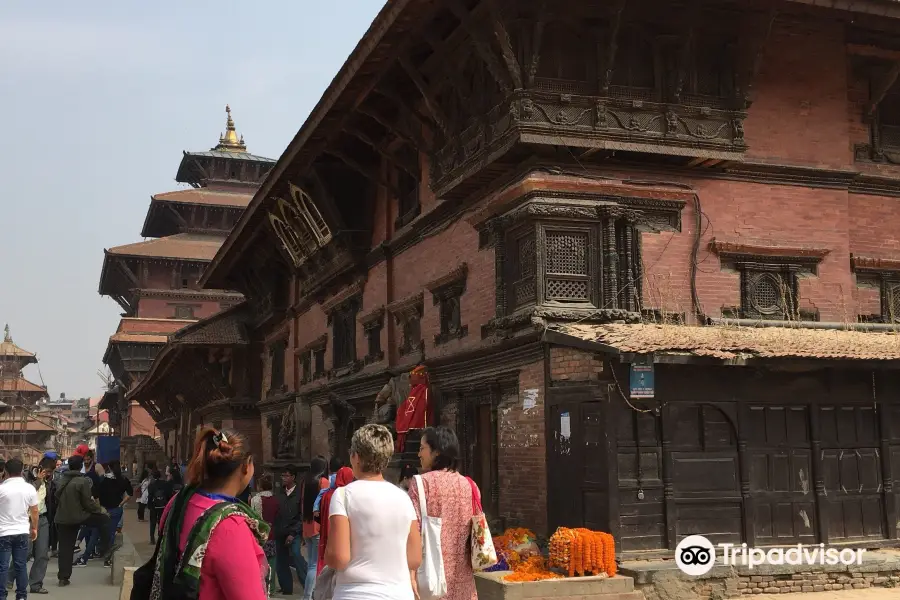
[{"x": 583, "y": 552}]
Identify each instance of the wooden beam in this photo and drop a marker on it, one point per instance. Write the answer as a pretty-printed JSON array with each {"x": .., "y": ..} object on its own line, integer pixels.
[
  {"x": 430, "y": 103},
  {"x": 613, "y": 47},
  {"x": 131, "y": 275},
  {"x": 414, "y": 134},
  {"x": 451, "y": 75},
  {"x": 506, "y": 49},
  {"x": 379, "y": 148},
  {"x": 537, "y": 41},
  {"x": 365, "y": 172},
  {"x": 482, "y": 48},
  {"x": 882, "y": 86},
  {"x": 873, "y": 52}
]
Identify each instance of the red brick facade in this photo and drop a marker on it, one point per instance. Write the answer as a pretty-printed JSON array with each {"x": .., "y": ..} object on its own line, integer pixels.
[{"x": 801, "y": 189}]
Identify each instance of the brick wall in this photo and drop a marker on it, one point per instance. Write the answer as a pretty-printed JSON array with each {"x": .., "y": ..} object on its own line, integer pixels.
[
  {"x": 800, "y": 114},
  {"x": 571, "y": 364},
  {"x": 522, "y": 454}
]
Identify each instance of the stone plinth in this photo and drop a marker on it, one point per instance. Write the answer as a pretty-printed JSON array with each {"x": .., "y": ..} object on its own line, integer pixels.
[{"x": 491, "y": 586}]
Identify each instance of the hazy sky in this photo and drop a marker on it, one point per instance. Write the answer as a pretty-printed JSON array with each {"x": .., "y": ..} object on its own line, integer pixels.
[{"x": 97, "y": 102}]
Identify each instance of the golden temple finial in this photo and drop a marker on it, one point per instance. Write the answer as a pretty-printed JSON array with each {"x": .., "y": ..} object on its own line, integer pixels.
[
  {"x": 6, "y": 336},
  {"x": 228, "y": 142}
]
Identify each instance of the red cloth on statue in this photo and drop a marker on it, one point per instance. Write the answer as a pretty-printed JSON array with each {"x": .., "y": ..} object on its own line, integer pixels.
[{"x": 413, "y": 413}]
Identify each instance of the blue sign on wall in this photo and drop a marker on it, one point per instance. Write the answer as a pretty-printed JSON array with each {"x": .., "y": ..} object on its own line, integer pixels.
[
  {"x": 642, "y": 377},
  {"x": 108, "y": 449}
]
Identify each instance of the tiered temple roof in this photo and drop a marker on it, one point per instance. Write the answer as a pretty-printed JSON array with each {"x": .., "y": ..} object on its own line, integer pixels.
[{"x": 13, "y": 384}]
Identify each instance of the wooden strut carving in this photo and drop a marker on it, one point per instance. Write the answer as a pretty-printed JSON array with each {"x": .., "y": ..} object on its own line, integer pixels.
[
  {"x": 416, "y": 141},
  {"x": 287, "y": 432},
  {"x": 430, "y": 103},
  {"x": 754, "y": 55},
  {"x": 509, "y": 56},
  {"x": 613, "y": 47},
  {"x": 687, "y": 44},
  {"x": 369, "y": 174},
  {"x": 881, "y": 88},
  {"x": 537, "y": 36},
  {"x": 380, "y": 149},
  {"x": 482, "y": 48}
]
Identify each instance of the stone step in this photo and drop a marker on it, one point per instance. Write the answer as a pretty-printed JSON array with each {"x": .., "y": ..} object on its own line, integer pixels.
[{"x": 492, "y": 587}]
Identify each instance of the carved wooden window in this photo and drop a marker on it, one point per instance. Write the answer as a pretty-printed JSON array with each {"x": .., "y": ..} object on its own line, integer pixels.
[
  {"x": 306, "y": 374},
  {"x": 889, "y": 121},
  {"x": 408, "y": 315},
  {"x": 276, "y": 351},
  {"x": 299, "y": 225},
  {"x": 319, "y": 362},
  {"x": 372, "y": 326},
  {"x": 183, "y": 311},
  {"x": 890, "y": 300},
  {"x": 343, "y": 328},
  {"x": 570, "y": 274},
  {"x": 769, "y": 292},
  {"x": 522, "y": 260},
  {"x": 408, "y": 206},
  {"x": 447, "y": 293}
]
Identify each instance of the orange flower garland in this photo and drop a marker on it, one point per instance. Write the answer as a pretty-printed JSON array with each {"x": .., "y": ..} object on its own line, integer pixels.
[{"x": 583, "y": 552}]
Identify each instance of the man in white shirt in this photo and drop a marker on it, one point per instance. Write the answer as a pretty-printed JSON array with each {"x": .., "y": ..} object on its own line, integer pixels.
[{"x": 18, "y": 525}]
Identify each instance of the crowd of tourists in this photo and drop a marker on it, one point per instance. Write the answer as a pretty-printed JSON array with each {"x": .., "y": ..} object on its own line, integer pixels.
[
  {"x": 50, "y": 510},
  {"x": 347, "y": 532}
]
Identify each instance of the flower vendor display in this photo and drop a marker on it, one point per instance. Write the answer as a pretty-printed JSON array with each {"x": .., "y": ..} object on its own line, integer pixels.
[
  {"x": 580, "y": 552},
  {"x": 518, "y": 552},
  {"x": 573, "y": 553}
]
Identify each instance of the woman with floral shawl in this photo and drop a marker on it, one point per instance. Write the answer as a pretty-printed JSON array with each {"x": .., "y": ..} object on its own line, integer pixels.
[{"x": 344, "y": 476}]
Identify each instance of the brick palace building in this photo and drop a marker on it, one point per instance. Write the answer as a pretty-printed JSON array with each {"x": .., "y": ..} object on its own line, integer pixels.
[{"x": 541, "y": 206}]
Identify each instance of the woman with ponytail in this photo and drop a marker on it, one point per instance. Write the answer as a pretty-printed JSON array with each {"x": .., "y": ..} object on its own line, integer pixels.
[{"x": 220, "y": 538}]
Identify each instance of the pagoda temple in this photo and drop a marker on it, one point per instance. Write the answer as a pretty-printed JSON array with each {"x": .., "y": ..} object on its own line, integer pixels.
[
  {"x": 156, "y": 281},
  {"x": 24, "y": 432}
]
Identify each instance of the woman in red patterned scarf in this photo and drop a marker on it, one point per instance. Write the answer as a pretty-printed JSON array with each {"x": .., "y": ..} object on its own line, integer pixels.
[{"x": 343, "y": 477}]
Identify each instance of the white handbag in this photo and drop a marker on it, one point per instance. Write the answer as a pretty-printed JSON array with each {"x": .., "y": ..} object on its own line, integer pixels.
[{"x": 430, "y": 577}]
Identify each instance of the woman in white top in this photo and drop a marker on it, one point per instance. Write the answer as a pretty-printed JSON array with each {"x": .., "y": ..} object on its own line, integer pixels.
[
  {"x": 143, "y": 498},
  {"x": 373, "y": 543}
]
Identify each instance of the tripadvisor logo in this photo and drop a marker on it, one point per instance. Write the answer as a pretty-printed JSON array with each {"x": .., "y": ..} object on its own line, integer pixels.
[{"x": 695, "y": 555}]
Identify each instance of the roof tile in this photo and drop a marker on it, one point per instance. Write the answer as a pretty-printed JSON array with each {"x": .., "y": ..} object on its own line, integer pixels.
[
  {"x": 726, "y": 342},
  {"x": 192, "y": 246}
]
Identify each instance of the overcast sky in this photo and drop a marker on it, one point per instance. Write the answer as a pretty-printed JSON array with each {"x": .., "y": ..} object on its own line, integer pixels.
[{"x": 97, "y": 102}]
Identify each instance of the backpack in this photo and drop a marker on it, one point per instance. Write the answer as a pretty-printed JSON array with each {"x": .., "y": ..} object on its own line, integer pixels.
[{"x": 160, "y": 496}]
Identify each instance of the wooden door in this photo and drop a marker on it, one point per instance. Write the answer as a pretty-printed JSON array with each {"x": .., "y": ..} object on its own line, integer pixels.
[
  {"x": 781, "y": 477},
  {"x": 577, "y": 467},
  {"x": 851, "y": 470},
  {"x": 477, "y": 432}
]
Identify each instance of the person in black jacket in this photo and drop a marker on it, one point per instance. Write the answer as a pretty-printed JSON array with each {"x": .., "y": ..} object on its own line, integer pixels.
[
  {"x": 158, "y": 495},
  {"x": 287, "y": 532}
]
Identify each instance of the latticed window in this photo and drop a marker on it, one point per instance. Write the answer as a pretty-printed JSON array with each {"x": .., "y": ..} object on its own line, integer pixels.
[
  {"x": 769, "y": 294},
  {"x": 567, "y": 266},
  {"x": 523, "y": 261}
]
